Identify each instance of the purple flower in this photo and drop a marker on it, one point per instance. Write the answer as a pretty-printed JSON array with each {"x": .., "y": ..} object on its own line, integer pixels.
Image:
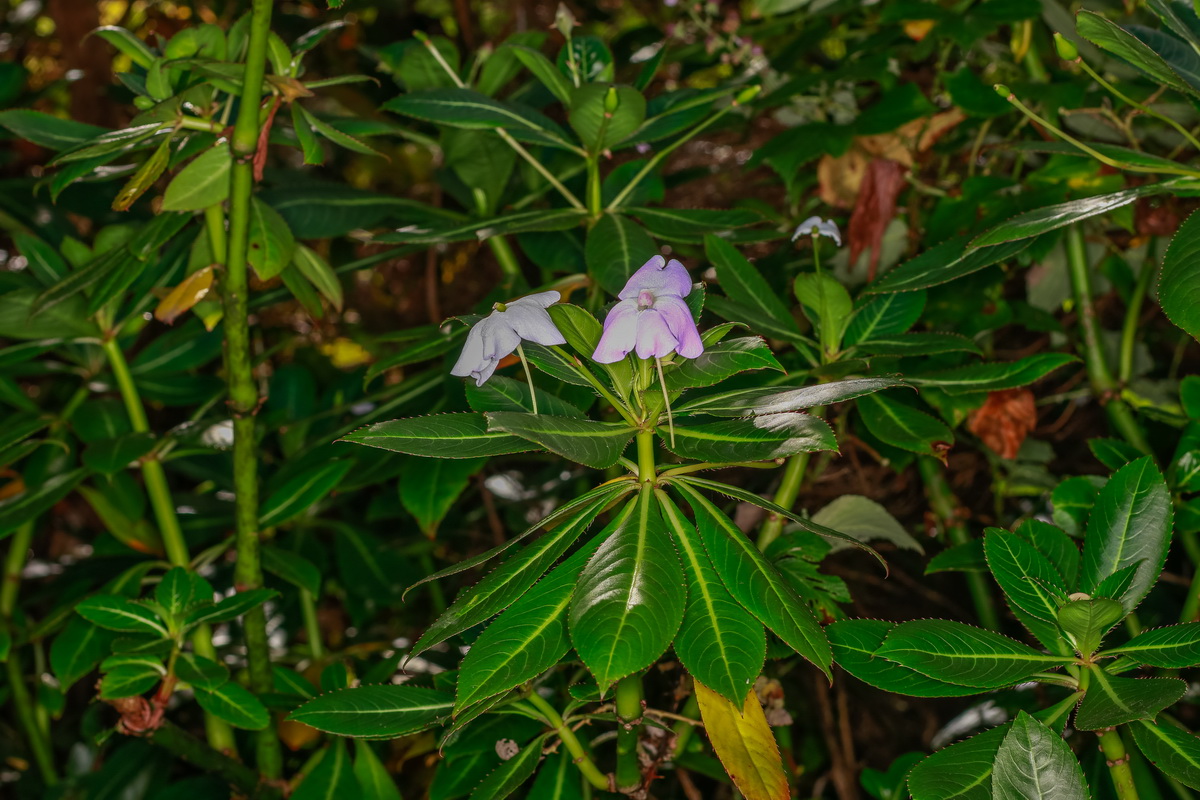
[
  {"x": 500, "y": 333},
  {"x": 652, "y": 317}
]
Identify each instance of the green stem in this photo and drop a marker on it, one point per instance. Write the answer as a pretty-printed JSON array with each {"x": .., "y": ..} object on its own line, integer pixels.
[
  {"x": 647, "y": 471},
  {"x": 308, "y": 608},
  {"x": 1191, "y": 605},
  {"x": 662, "y": 154},
  {"x": 683, "y": 730},
  {"x": 594, "y": 202},
  {"x": 175, "y": 740},
  {"x": 586, "y": 766},
  {"x": 1139, "y": 106},
  {"x": 38, "y": 741},
  {"x": 1133, "y": 313},
  {"x": 629, "y": 715},
  {"x": 243, "y": 393},
  {"x": 944, "y": 503},
  {"x": 220, "y": 734},
  {"x": 1117, "y": 760},
  {"x": 507, "y": 259},
  {"x": 587, "y": 375},
  {"x": 1100, "y": 376},
  {"x": 785, "y": 496}
]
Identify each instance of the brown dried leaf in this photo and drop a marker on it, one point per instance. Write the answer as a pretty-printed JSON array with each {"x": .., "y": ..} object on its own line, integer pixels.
[
  {"x": 874, "y": 209},
  {"x": 1004, "y": 421}
]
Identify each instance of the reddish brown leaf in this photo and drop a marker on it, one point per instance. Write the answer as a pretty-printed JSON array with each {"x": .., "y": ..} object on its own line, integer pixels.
[
  {"x": 1005, "y": 420},
  {"x": 874, "y": 209}
]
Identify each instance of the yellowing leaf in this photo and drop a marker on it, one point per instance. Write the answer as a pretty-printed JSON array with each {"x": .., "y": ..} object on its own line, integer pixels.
[
  {"x": 346, "y": 354},
  {"x": 185, "y": 295},
  {"x": 745, "y": 744}
]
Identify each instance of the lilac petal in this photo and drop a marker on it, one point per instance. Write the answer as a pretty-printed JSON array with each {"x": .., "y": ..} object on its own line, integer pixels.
[
  {"x": 620, "y": 333},
  {"x": 472, "y": 352},
  {"x": 540, "y": 300},
  {"x": 532, "y": 323},
  {"x": 654, "y": 337},
  {"x": 659, "y": 278},
  {"x": 683, "y": 327}
]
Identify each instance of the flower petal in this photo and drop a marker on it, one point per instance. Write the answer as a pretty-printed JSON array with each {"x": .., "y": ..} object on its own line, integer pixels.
[
  {"x": 540, "y": 300},
  {"x": 620, "y": 333},
  {"x": 496, "y": 340},
  {"x": 658, "y": 277},
  {"x": 682, "y": 325},
  {"x": 532, "y": 322},
  {"x": 654, "y": 337},
  {"x": 815, "y": 226},
  {"x": 472, "y": 352}
]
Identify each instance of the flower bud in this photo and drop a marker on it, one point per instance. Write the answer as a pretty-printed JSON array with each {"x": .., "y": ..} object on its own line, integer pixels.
[
  {"x": 1003, "y": 91},
  {"x": 747, "y": 94},
  {"x": 564, "y": 20},
  {"x": 611, "y": 101},
  {"x": 1067, "y": 50}
]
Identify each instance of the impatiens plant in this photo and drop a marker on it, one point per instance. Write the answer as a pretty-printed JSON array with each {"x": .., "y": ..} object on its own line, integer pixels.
[{"x": 667, "y": 566}]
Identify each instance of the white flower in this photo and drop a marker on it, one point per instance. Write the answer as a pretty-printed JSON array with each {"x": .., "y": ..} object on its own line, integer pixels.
[
  {"x": 499, "y": 333},
  {"x": 815, "y": 226}
]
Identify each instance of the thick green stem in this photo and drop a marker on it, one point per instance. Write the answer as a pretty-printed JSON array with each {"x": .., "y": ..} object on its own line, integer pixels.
[
  {"x": 220, "y": 734},
  {"x": 595, "y": 204},
  {"x": 1191, "y": 605},
  {"x": 38, "y": 742},
  {"x": 629, "y": 720},
  {"x": 1099, "y": 375},
  {"x": 785, "y": 496},
  {"x": 243, "y": 393},
  {"x": 945, "y": 505},
  {"x": 1117, "y": 760},
  {"x": 582, "y": 760},
  {"x": 647, "y": 471},
  {"x": 684, "y": 730},
  {"x": 181, "y": 743}
]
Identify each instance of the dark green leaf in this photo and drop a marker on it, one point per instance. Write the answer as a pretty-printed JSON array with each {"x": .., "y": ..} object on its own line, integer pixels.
[
  {"x": 1173, "y": 750},
  {"x": 905, "y": 427},
  {"x": 331, "y": 778},
  {"x": 120, "y": 614},
  {"x": 594, "y": 444},
  {"x": 776, "y": 400},
  {"x": 292, "y": 567},
  {"x": 854, "y": 644},
  {"x": 109, "y": 456},
  {"x": 721, "y": 360},
  {"x": 948, "y": 261},
  {"x": 230, "y": 608},
  {"x": 440, "y": 436},
  {"x": 300, "y": 492},
  {"x": 202, "y": 183},
  {"x": 1123, "y": 44},
  {"x": 235, "y": 704},
  {"x": 1051, "y": 218},
  {"x": 1173, "y": 647},
  {"x": 1034, "y": 763},
  {"x": 743, "y": 283},
  {"x": 629, "y": 600},
  {"x": 375, "y": 712},
  {"x": 616, "y": 247},
  {"x": 993, "y": 377},
  {"x": 1178, "y": 282},
  {"x": 754, "y": 439},
  {"x": 1112, "y": 700},
  {"x": 430, "y": 487}
]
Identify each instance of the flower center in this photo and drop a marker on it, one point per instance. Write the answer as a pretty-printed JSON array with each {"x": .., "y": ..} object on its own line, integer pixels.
[{"x": 645, "y": 299}]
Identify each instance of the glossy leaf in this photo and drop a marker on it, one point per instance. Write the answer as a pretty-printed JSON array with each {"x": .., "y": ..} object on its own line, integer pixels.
[
  {"x": 190, "y": 291},
  {"x": 744, "y": 743},
  {"x": 720, "y": 361},
  {"x": 299, "y": 493},
  {"x": 430, "y": 487},
  {"x": 1051, "y": 218},
  {"x": 905, "y": 427},
  {"x": 511, "y": 774},
  {"x": 292, "y": 567},
  {"x": 774, "y": 400},
  {"x": 375, "y": 712},
  {"x": 1173, "y": 647},
  {"x": 526, "y": 640},
  {"x": 271, "y": 241},
  {"x": 1086, "y": 621},
  {"x": 440, "y": 436},
  {"x": 1173, "y": 750},
  {"x": 993, "y": 377},
  {"x": 885, "y": 315},
  {"x": 962, "y": 654},
  {"x": 117, "y": 613},
  {"x": 1130, "y": 523},
  {"x": 1034, "y": 763},
  {"x": 855, "y": 642},
  {"x": 230, "y": 608},
  {"x": 1113, "y": 700},
  {"x": 331, "y": 777},
  {"x": 374, "y": 781},
  {"x": 755, "y": 439},
  {"x": 594, "y": 444},
  {"x": 1178, "y": 282},
  {"x": 77, "y": 650},
  {"x": 200, "y": 672},
  {"x": 1123, "y": 44},
  {"x": 235, "y": 704},
  {"x": 512, "y": 578},
  {"x": 946, "y": 262},
  {"x": 962, "y": 771},
  {"x": 616, "y": 246},
  {"x": 202, "y": 183},
  {"x": 1027, "y": 578},
  {"x": 720, "y": 643},
  {"x": 465, "y": 108},
  {"x": 755, "y": 583},
  {"x": 629, "y": 600}
]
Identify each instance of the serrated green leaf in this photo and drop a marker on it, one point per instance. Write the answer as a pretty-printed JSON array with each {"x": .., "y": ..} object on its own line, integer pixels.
[
  {"x": 1051, "y": 218},
  {"x": 1172, "y": 647},
  {"x": 1116, "y": 40},
  {"x": 230, "y": 608},
  {"x": 946, "y": 262},
  {"x": 1178, "y": 282},
  {"x": 993, "y": 377},
  {"x": 774, "y": 400},
  {"x": 118, "y": 613},
  {"x": 629, "y": 600},
  {"x": 962, "y": 771},
  {"x": 1086, "y": 621},
  {"x": 440, "y": 436},
  {"x": 855, "y": 642},
  {"x": 374, "y": 782},
  {"x": 754, "y": 582},
  {"x": 332, "y": 778},
  {"x": 720, "y": 361},
  {"x": 375, "y": 712},
  {"x": 594, "y": 444},
  {"x": 1112, "y": 700},
  {"x": 905, "y": 427},
  {"x": 1130, "y": 523},
  {"x": 300, "y": 492},
  {"x": 958, "y": 653},
  {"x": 1028, "y": 580},
  {"x": 200, "y": 671},
  {"x": 511, "y": 774},
  {"x": 235, "y": 704},
  {"x": 1034, "y": 763},
  {"x": 719, "y": 642},
  {"x": 1173, "y": 750},
  {"x": 753, "y": 439}
]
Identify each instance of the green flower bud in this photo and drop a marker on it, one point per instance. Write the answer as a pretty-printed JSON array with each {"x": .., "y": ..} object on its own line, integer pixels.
[
  {"x": 1067, "y": 50},
  {"x": 1003, "y": 91},
  {"x": 747, "y": 94},
  {"x": 611, "y": 101}
]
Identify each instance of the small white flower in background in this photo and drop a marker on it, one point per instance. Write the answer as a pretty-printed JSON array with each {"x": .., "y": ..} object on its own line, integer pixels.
[
  {"x": 500, "y": 333},
  {"x": 815, "y": 226}
]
